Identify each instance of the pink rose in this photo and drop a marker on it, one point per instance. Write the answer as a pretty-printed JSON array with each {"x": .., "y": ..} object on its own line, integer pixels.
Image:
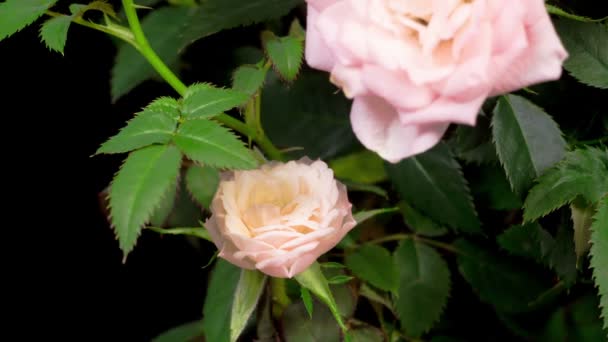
[
  {"x": 415, "y": 66},
  {"x": 279, "y": 218}
]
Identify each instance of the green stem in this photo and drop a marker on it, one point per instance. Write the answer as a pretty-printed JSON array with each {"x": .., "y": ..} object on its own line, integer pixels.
[
  {"x": 388, "y": 238},
  {"x": 399, "y": 237},
  {"x": 437, "y": 244},
  {"x": 115, "y": 30},
  {"x": 147, "y": 51},
  {"x": 279, "y": 296},
  {"x": 166, "y": 73},
  {"x": 592, "y": 142}
]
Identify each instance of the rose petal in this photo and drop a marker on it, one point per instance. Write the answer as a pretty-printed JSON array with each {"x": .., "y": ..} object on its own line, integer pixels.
[
  {"x": 320, "y": 5},
  {"x": 283, "y": 259},
  {"x": 544, "y": 58},
  {"x": 378, "y": 127},
  {"x": 396, "y": 87},
  {"x": 318, "y": 55},
  {"x": 445, "y": 110},
  {"x": 306, "y": 238}
]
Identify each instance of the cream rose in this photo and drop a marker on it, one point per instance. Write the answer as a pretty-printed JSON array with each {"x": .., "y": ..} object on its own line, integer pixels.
[
  {"x": 415, "y": 66},
  {"x": 279, "y": 218}
]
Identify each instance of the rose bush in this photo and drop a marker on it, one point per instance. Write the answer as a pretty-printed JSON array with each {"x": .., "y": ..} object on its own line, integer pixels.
[
  {"x": 415, "y": 66},
  {"x": 279, "y": 218}
]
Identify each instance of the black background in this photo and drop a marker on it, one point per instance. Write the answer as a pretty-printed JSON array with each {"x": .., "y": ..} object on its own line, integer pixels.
[{"x": 56, "y": 111}]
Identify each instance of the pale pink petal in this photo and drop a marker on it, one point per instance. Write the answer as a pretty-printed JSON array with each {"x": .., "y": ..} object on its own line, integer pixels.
[
  {"x": 330, "y": 25},
  {"x": 396, "y": 87},
  {"x": 320, "y": 5},
  {"x": 214, "y": 232},
  {"x": 285, "y": 259},
  {"x": 248, "y": 244},
  {"x": 318, "y": 55},
  {"x": 377, "y": 125},
  {"x": 445, "y": 110},
  {"x": 229, "y": 253},
  {"x": 542, "y": 61},
  {"x": 306, "y": 238},
  {"x": 349, "y": 79},
  {"x": 277, "y": 238},
  {"x": 301, "y": 264},
  {"x": 470, "y": 78}
]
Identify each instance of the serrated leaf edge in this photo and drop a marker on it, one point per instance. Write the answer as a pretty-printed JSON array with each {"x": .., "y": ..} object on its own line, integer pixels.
[
  {"x": 594, "y": 263},
  {"x": 276, "y": 69},
  {"x": 500, "y": 156},
  {"x": 149, "y": 214}
]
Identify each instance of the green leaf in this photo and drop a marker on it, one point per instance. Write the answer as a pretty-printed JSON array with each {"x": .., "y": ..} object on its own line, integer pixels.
[
  {"x": 171, "y": 29},
  {"x": 306, "y": 300},
  {"x": 419, "y": 223},
  {"x": 371, "y": 294},
  {"x": 296, "y": 30},
  {"x": 309, "y": 114},
  {"x": 424, "y": 286},
  {"x": 582, "y": 172},
  {"x": 162, "y": 212},
  {"x": 582, "y": 219},
  {"x": 185, "y": 213},
  {"x": 54, "y": 32},
  {"x": 366, "y": 215},
  {"x": 599, "y": 255},
  {"x": 285, "y": 53},
  {"x": 298, "y": 326},
  {"x": 185, "y": 332},
  {"x": 331, "y": 264},
  {"x": 527, "y": 140},
  {"x": 17, "y": 14},
  {"x": 374, "y": 264},
  {"x": 314, "y": 280},
  {"x": 198, "y": 232},
  {"x": 248, "y": 79},
  {"x": 587, "y": 49},
  {"x": 366, "y": 334},
  {"x": 490, "y": 186},
  {"x": 202, "y": 183},
  {"x": 533, "y": 242},
  {"x": 433, "y": 183},
  {"x": 373, "y": 189},
  {"x": 473, "y": 144},
  {"x": 339, "y": 279},
  {"x": 246, "y": 296},
  {"x": 167, "y": 105},
  {"x": 364, "y": 167},
  {"x": 138, "y": 188},
  {"x": 208, "y": 143},
  {"x": 526, "y": 241},
  {"x": 150, "y": 126},
  {"x": 203, "y": 101},
  {"x": 499, "y": 281},
  {"x": 575, "y": 321},
  {"x": 218, "y": 303}
]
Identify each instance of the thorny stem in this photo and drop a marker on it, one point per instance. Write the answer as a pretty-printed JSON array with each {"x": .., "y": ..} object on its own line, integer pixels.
[
  {"x": 398, "y": 237},
  {"x": 147, "y": 51},
  {"x": 115, "y": 30},
  {"x": 136, "y": 37}
]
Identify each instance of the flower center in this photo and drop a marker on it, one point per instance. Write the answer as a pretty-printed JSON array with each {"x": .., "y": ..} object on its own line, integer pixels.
[{"x": 431, "y": 22}]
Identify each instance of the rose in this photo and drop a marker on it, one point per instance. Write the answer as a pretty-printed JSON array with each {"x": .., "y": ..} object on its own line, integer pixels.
[
  {"x": 415, "y": 66},
  {"x": 279, "y": 218}
]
